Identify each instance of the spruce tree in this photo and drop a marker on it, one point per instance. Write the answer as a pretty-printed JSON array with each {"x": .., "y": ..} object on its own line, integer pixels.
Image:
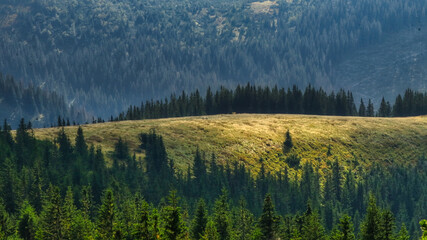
[
  {"x": 287, "y": 144},
  {"x": 403, "y": 233},
  {"x": 51, "y": 219},
  {"x": 370, "y": 112},
  {"x": 222, "y": 216},
  {"x": 362, "y": 108},
  {"x": 173, "y": 225},
  {"x": 386, "y": 228},
  {"x": 211, "y": 232},
  {"x": 106, "y": 216},
  {"x": 81, "y": 146},
  {"x": 371, "y": 225},
  {"x": 268, "y": 220},
  {"x": 346, "y": 228},
  {"x": 27, "y": 222},
  {"x": 141, "y": 228},
  {"x": 200, "y": 220}
]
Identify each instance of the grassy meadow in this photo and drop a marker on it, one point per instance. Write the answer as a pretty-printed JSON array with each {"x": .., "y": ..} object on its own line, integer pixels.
[{"x": 355, "y": 141}]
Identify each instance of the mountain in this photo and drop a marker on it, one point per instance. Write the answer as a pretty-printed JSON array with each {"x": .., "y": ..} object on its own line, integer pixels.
[
  {"x": 245, "y": 138},
  {"x": 105, "y": 55},
  {"x": 34, "y": 104}
]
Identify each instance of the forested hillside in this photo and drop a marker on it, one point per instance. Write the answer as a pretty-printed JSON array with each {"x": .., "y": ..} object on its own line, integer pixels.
[
  {"x": 65, "y": 189},
  {"x": 108, "y": 54},
  {"x": 41, "y": 107}
]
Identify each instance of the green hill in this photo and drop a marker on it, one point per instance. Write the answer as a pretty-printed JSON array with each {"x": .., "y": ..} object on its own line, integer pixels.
[{"x": 248, "y": 137}]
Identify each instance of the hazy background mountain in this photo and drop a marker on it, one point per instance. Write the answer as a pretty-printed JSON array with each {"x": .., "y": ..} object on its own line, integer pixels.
[{"x": 105, "y": 55}]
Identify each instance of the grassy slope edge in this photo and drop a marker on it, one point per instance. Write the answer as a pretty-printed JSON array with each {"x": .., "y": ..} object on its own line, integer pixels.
[{"x": 248, "y": 137}]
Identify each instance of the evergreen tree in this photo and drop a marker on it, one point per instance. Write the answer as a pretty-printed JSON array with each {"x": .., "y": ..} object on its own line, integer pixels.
[
  {"x": 199, "y": 172},
  {"x": 51, "y": 219},
  {"x": 4, "y": 223},
  {"x": 211, "y": 232},
  {"x": 287, "y": 144},
  {"x": 362, "y": 109},
  {"x": 80, "y": 144},
  {"x": 371, "y": 225},
  {"x": 403, "y": 233},
  {"x": 173, "y": 225},
  {"x": 200, "y": 221},
  {"x": 312, "y": 229},
  {"x": 370, "y": 109},
  {"x": 423, "y": 224},
  {"x": 222, "y": 217},
  {"x": 27, "y": 222},
  {"x": 345, "y": 230},
  {"x": 141, "y": 228},
  {"x": 107, "y": 216},
  {"x": 268, "y": 220},
  {"x": 386, "y": 228}
]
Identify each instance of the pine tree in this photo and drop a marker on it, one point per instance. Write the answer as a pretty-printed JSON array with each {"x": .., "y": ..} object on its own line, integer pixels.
[
  {"x": 81, "y": 146},
  {"x": 371, "y": 224},
  {"x": 27, "y": 222},
  {"x": 141, "y": 228},
  {"x": 287, "y": 144},
  {"x": 5, "y": 227},
  {"x": 336, "y": 180},
  {"x": 362, "y": 109},
  {"x": 403, "y": 233},
  {"x": 200, "y": 220},
  {"x": 51, "y": 219},
  {"x": 211, "y": 232},
  {"x": 345, "y": 229},
  {"x": 312, "y": 229},
  {"x": 243, "y": 221},
  {"x": 370, "y": 109},
  {"x": 106, "y": 216},
  {"x": 173, "y": 225},
  {"x": 386, "y": 227},
  {"x": 199, "y": 172},
  {"x": 423, "y": 224},
  {"x": 268, "y": 220},
  {"x": 222, "y": 217}
]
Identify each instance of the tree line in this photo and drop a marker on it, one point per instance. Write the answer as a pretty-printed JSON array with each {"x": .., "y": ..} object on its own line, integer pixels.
[
  {"x": 18, "y": 100},
  {"x": 253, "y": 99},
  {"x": 48, "y": 178}
]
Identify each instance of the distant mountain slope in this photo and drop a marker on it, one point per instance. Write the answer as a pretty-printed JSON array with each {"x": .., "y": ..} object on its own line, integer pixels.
[
  {"x": 33, "y": 104},
  {"x": 246, "y": 138},
  {"x": 398, "y": 61},
  {"x": 105, "y": 55}
]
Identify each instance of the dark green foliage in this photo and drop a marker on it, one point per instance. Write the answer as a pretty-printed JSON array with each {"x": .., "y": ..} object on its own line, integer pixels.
[
  {"x": 107, "y": 216},
  {"x": 372, "y": 224},
  {"x": 32, "y": 102},
  {"x": 173, "y": 225},
  {"x": 221, "y": 216},
  {"x": 345, "y": 230},
  {"x": 68, "y": 209},
  {"x": 423, "y": 224},
  {"x": 27, "y": 222},
  {"x": 80, "y": 144},
  {"x": 248, "y": 99},
  {"x": 268, "y": 221},
  {"x": 142, "y": 228},
  {"x": 51, "y": 218},
  {"x": 293, "y": 161},
  {"x": 287, "y": 144},
  {"x": 403, "y": 233},
  {"x": 200, "y": 220}
]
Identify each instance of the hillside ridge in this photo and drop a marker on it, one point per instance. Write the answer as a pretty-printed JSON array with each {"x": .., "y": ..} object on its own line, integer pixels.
[{"x": 355, "y": 141}]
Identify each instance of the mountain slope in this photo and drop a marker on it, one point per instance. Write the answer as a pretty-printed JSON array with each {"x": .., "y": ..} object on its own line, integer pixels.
[
  {"x": 246, "y": 138},
  {"x": 105, "y": 55}
]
